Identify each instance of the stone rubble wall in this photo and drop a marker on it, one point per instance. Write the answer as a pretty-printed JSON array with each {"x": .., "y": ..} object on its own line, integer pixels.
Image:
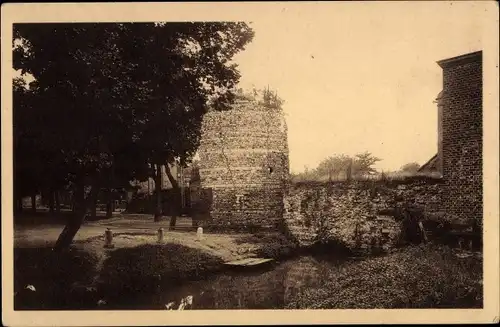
[{"x": 244, "y": 160}]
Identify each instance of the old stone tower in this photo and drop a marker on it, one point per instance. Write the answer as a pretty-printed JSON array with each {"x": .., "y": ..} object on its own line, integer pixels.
[
  {"x": 460, "y": 137},
  {"x": 244, "y": 161}
]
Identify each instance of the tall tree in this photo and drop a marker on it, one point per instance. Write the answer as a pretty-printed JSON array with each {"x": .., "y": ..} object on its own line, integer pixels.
[
  {"x": 29, "y": 162},
  {"x": 363, "y": 164},
  {"x": 189, "y": 71},
  {"x": 23, "y": 177},
  {"x": 333, "y": 166},
  {"x": 340, "y": 166},
  {"x": 105, "y": 91}
]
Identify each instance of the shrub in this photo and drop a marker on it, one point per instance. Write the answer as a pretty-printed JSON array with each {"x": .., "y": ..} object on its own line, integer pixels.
[
  {"x": 54, "y": 275},
  {"x": 271, "y": 245},
  {"x": 143, "y": 268},
  {"x": 275, "y": 250}
]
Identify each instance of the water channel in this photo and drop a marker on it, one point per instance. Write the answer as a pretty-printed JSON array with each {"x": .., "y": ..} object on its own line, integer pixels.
[{"x": 272, "y": 287}]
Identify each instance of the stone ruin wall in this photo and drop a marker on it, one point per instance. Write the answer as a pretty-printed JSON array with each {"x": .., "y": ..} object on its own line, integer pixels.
[
  {"x": 358, "y": 214},
  {"x": 244, "y": 160}
]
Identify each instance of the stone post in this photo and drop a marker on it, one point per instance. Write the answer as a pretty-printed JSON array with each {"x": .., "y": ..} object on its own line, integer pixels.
[
  {"x": 160, "y": 235},
  {"x": 108, "y": 239}
]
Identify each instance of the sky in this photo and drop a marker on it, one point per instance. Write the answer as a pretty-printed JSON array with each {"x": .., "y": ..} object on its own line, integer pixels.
[{"x": 359, "y": 78}]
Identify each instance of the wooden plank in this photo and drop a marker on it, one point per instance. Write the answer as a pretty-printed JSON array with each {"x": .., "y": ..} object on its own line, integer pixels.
[
  {"x": 248, "y": 262},
  {"x": 236, "y": 263},
  {"x": 258, "y": 262},
  {"x": 241, "y": 262}
]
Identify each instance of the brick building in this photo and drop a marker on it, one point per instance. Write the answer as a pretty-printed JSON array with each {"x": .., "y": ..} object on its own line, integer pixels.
[
  {"x": 244, "y": 162},
  {"x": 460, "y": 143}
]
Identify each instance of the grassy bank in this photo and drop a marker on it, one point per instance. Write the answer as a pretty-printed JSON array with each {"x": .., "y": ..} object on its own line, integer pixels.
[
  {"x": 77, "y": 279},
  {"x": 414, "y": 277},
  {"x": 87, "y": 273},
  {"x": 143, "y": 268},
  {"x": 81, "y": 278},
  {"x": 268, "y": 245},
  {"x": 55, "y": 280}
]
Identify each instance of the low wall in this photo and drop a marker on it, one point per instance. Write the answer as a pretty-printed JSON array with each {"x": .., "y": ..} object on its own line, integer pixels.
[
  {"x": 361, "y": 215},
  {"x": 247, "y": 207}
]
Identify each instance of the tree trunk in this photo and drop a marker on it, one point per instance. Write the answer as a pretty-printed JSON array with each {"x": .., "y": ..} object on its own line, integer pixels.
[
  {"x": 73, "y": 202},
  {"x": 177, "y": 199},
  {"x": 51, "y": 201},
  {"x": 33, "y": 202},
  {"x": 80, "y": 209},
  {"x": 19, "y": 204},
  {"x": 93, "y": 208},
  {"x": 109, "y": 204},
  {"x": 158, "y": 204},
  {"x": 173, "y": 221},
  {"x": 349, "y": 172},
  {"x": 94, "y": 196},
  {"x": 18, "y": 200},
  {"x": 58, "y": 201}
]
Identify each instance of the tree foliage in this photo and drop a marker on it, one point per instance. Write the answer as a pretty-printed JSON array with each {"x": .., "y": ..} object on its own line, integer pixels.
[
  {"x": 411, "y": 167},
  {"x": 341, "y": 167},
  {"x": 363, "y": 163},
  {"x": 333, "y": 166},
  {"x": 264, "y": 97}
]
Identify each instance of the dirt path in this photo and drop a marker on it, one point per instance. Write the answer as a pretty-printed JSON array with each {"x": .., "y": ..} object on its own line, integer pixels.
[
  {"x": 134, "y": 230},
  {"x": 226, "y": 247},
  {"x": 40, "y": 235}
]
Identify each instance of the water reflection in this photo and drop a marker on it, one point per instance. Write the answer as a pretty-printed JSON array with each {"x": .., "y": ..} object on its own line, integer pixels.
[{"x": 272, "y": 288}]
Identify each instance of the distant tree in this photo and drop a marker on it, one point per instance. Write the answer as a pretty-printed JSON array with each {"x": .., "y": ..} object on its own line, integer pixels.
[
  {"x": 333, "y": 166},
  {"x": 27, "y": 166},
  {"x": 340, "y": 166},
  {"x": 411, "y": 167},
  {"x": 349, "y": 170},
  {"x": 363, "y": 164},
  {"x": 267, "y": 98},
  {"x": 337, "y": 165}
]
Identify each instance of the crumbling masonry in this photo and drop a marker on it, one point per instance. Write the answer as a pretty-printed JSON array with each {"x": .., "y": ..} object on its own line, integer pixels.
[{"x": 244, "y": 161}]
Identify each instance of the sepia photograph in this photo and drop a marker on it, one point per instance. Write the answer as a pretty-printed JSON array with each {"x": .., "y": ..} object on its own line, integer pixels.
[{"x": 276, "y": 157}]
